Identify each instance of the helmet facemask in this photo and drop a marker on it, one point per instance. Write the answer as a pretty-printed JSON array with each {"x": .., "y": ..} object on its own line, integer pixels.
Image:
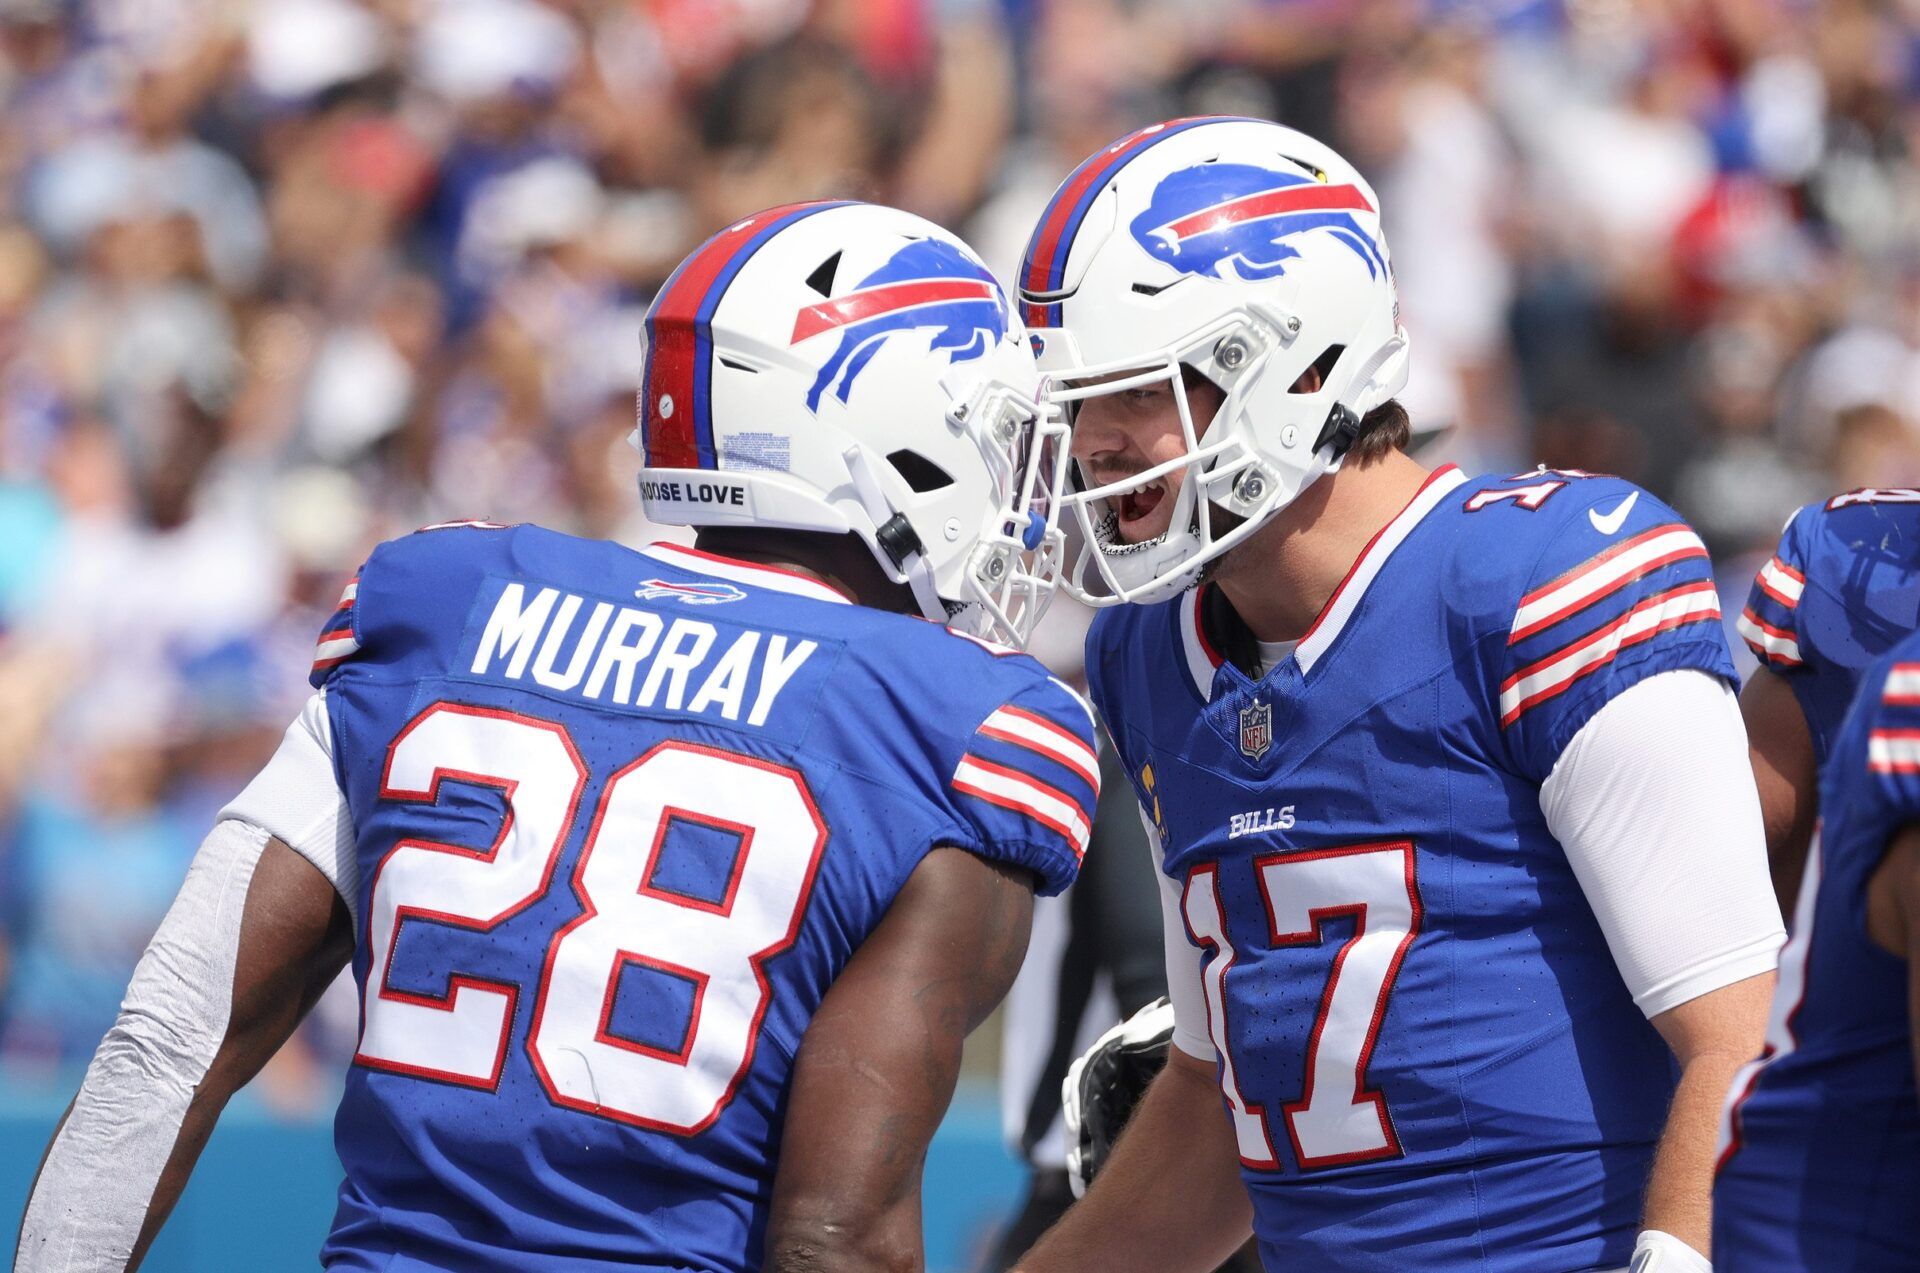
[
  {"x": 998, "y": 591},
  {"x": 853, "y": 369},
  {"x": 1226, "y": 487},
  {"x": 1237, "y": 250}
]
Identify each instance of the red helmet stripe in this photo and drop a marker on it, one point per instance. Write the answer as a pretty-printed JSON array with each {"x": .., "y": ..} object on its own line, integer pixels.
[
  {"x": 856, "y": 307},
  {"x": 1045, "y": 264},
  {"x": 1271, "y": 203},
  {"x": 676, "y": 413}
]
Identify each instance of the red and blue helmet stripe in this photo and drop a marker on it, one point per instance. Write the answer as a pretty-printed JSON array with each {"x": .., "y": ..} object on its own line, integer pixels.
[
  {"x": 676, "y": 397},
  {"x": 1044, "y": 268}
]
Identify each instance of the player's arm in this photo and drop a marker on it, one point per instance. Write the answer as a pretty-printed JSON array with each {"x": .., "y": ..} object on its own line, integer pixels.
[
  {"x": 1169, "y": 1197},
  {"x": 879, "y": 1061},
  {"x": 257, "y": 931},
  {"x": 1780, "y": 748},
  {"x": 1712, "y": 1036},
  {"x": 253, "y": 938},
  {"x": 1654, "y": 803}
]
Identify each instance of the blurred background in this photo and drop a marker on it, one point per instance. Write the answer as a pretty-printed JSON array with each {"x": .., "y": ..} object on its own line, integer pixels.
[{"x": 282, "y": 278}]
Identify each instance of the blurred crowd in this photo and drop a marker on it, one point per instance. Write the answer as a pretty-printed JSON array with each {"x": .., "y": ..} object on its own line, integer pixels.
[{"x": 281, "y": 278}]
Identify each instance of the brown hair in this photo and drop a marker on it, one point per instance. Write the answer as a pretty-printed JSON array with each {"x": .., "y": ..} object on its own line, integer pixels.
[{"x": 1385, "y": 429}]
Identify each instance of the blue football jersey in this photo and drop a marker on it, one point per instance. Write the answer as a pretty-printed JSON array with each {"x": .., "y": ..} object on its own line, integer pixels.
[
  {"x": 1843, "y": 586},
  {"x": 1820, "y": 1160},
  {"x": 621, "y": 819},
  {"x": 1427, "y": 1053}
]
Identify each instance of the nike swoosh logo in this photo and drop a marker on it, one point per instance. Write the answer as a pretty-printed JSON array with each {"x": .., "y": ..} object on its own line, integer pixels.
[{"x": 1608, "y": 523}]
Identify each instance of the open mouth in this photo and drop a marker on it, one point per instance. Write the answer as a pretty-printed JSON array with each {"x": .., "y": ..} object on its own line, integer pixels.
[{"x": 1137, "y": 505}]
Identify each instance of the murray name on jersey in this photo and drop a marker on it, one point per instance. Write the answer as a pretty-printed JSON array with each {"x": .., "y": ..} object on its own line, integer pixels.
[{"x": 623, "y": 655}]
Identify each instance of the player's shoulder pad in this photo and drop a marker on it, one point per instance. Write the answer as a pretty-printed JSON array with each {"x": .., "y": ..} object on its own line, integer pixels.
[
  {"x": 1025, "y": 776},
  {"x": 1576, "y": 584},
  {"x": 1891, "y": 699},
  {"x": 412, "y": 578}
]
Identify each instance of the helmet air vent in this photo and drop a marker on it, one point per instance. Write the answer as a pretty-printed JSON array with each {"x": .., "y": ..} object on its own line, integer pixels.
[
  {"x": 821, "y": 280},
  {"x": 921, "y": 474},
  {"x": 1313, "y": 378}
]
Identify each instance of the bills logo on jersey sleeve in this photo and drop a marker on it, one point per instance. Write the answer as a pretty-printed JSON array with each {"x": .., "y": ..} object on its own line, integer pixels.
[
  {"x": 1203, "y": 219},
  {"x": 1042, "y": 769},
  {"x": 926, "y": 286}
]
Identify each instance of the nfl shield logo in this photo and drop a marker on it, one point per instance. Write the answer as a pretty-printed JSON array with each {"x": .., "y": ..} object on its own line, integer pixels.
[{"x": 1256, "y": 729}]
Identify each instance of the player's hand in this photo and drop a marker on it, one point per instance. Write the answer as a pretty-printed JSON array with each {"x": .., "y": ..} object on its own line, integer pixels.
[{"x": 1104, "y": 1085}]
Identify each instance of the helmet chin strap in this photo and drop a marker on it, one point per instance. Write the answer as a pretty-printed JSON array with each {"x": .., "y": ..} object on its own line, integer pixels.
[{"x": 896, "y": 547}]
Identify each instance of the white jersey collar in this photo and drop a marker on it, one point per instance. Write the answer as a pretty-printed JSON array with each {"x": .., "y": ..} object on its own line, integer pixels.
[
  {"x": 1201, "y": 658},
  {"x": 716, "y": 567}
]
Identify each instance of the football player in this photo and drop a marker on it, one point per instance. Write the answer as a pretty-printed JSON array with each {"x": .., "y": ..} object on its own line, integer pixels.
[
  {"x": 1843, "y": 586},
  {"x": 671, "y": 880},
  {"x": 1820, "y": 1165},
  {"x": 1465, "y": 883}
]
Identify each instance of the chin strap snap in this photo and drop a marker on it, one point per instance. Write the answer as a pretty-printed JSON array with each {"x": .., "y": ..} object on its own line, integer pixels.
[
  {"x": 894, "y": 536},
  {"x": 1340, "y": 430}
]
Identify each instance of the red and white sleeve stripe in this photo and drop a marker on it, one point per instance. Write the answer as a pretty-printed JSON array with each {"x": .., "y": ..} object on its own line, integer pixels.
[
  {"x": 1556, "y": 673},
  {"x": 1781, "y": 582},
  {"x": 1037, "y": 733},
  {"x": 1776, "y": 644},
  {"x": 1894, "y": 751},
  {"x": 1026, "y": 795},
  {"x": 1602, "y": 576},
  {"x": 1903, "y": 686},
  {"x": 337, "y": 643}
]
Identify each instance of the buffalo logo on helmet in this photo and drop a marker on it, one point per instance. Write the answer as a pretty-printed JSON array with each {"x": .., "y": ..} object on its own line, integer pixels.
[
  {"x": 1202, "y": 219},
  {"x": 928, "y": 285}
]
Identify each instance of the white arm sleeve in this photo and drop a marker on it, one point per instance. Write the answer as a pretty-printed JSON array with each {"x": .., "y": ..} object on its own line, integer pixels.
[
  {"x": 1184, "y": 990},
  {"x": 101, "y": 1170},
  {"x": 297, "y": 798},
  {"x": 1653, "y": 801}
]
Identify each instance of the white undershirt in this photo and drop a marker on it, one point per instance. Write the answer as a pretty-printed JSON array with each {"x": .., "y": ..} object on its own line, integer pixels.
[
  {"x": 1274, "y": 653},
  {"x": 1654, "y": 804}
]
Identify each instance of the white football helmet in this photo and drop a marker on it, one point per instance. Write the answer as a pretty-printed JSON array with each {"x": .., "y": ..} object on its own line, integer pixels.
[
  {"x": 1247, "y": 253},
  {"x": 847, "y": 368}
]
